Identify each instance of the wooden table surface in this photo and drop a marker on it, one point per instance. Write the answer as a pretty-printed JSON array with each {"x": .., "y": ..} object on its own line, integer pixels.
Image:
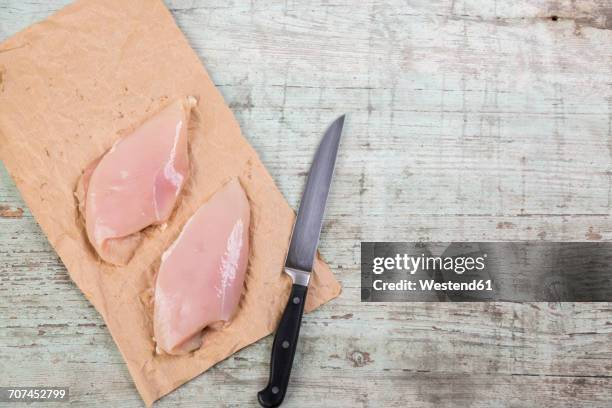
[{"x": 469, "y": 120}]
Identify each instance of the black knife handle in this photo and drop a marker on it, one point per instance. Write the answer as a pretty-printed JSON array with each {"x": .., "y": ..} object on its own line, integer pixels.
[{"x": 283, "y": 349}]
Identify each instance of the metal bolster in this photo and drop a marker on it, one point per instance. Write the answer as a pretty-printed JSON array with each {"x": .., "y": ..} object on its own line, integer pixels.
[{"x": 298, "y": 277}]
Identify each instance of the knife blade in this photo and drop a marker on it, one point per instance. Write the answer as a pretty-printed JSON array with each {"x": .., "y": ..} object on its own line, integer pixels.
[{"x": 299, "y": 262}]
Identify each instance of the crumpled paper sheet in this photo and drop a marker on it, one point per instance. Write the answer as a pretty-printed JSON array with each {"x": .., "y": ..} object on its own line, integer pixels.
[{"x": 69, "y": 87}]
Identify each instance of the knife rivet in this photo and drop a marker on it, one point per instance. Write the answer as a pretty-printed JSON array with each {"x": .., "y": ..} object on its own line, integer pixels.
[
  {"x": 296, "y": 300},
  {"x": 285, "y": 344},
  {"x": 275, "y": 390}
]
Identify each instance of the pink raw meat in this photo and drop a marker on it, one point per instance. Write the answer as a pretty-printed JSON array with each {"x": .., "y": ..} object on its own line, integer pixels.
[
  {"x": 136, "y": 183},
  {"x": 201, "y": 276}
]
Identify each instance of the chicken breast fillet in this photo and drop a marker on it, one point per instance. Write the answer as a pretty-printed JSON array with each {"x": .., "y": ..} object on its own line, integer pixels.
[
  {"x": 136, "y": 183},
  {"x": 201, "y": 276}
]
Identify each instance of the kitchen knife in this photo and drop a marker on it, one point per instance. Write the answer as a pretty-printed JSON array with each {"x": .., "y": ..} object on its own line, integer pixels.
[{"x": 298, "y": 265}]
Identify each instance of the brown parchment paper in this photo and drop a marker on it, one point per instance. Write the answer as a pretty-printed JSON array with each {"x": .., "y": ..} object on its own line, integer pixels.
[{"x": 69, "y": 87}]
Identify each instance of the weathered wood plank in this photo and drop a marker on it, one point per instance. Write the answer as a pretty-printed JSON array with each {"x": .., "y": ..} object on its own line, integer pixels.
[{"x": 468, "y": 120}]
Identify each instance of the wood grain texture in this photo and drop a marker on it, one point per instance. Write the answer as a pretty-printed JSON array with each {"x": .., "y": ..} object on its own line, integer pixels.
[{"x": 468, "y": 120}]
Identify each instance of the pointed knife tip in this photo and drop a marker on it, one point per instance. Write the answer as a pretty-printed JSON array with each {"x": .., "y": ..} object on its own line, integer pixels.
[{"x": 340, "y": 120}]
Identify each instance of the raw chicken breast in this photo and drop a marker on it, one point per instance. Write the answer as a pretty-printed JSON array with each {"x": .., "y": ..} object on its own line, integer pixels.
[
  {"x": 201, "y": 275},
  {"x": 136, "y": 183}
]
